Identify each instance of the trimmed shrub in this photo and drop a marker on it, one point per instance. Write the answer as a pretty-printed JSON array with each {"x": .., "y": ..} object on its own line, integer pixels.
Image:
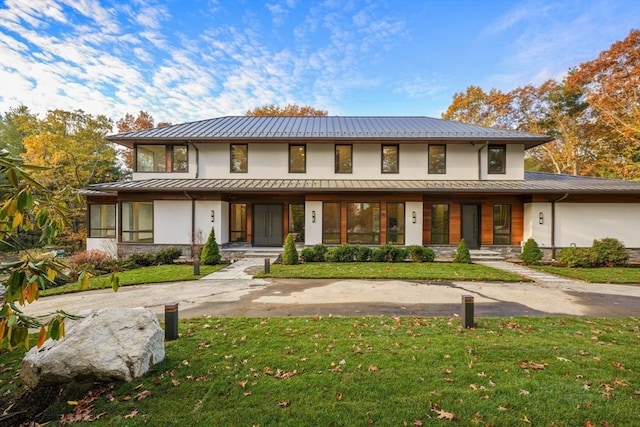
[
  {"x": 575, "y": 257},
  {"x": 210, "y": 252},
  {"x": 168, "y": 255},
  {"x": 608, "y": 252},
  {"x": 417, "y": 253},
  {"x": 362, "y": 253},
  {"x": 141, "y": 259},
  {"x": 462, "y": 256},
  {"x": 290, "y": 255},
  {"x": 314, "y": 254},
  {"x": 342, "y": 253},
  {"x": 388, "y": 253},
  {"x": 531, "y": 253}
]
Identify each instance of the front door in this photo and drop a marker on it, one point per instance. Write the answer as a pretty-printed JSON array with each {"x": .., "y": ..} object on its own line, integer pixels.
[
  {"x": 267, "y": 225},
  {"x": 471, "y": 225}
]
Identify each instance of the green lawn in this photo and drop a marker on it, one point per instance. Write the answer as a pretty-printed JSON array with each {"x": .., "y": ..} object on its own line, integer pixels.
[
  {"x": 374, "y": 371},
  {"x": 383, "y": 270},
  {"x": 597, "y": 275},
  {"x": 139, "y": 276}
]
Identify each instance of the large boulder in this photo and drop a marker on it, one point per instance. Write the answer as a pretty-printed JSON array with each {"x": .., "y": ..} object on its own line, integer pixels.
[{"x": 108, "y": 344}]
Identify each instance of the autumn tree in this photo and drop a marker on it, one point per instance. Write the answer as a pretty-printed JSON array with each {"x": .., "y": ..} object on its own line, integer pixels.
[
  {"x": 129, "y": 123},
  {"x": 610, "y": 85},
  {"x": 15, "y": 125},
  {"x": 289, "y": 110}
]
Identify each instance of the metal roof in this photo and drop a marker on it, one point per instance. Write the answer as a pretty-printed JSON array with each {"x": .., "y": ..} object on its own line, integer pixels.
[
  {"x": 534, "y": 182},
  {"x": 272, "y": 128}
]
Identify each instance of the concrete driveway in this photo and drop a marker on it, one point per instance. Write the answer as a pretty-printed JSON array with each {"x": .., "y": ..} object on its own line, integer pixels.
[{"x": 241, "y": 296}]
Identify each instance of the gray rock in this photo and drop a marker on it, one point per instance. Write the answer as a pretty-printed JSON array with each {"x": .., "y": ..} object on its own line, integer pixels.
[{"x": 108, "y": 344}]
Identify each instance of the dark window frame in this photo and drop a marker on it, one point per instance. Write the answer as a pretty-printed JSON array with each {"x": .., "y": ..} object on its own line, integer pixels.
[
  {"x": 242, "y": 232},
  {"x": 304, "y": 155},
  {"x": 402, "y": 226},
  {"x": 337, "y": 160},
  {"x": 107, "y": 232},
  {"x": 333, "y": 234},
  {"x": 244, "y": 169},
  {"x": 397, "y": 158},
  {"x": 293, "y": 216},
  {"x": 500, "y": 150},
  {"x": 173, "y": 158},
  {"x": 431, "y": 164},
  {"x": 356, "y": 237},
  {"x": 169, "y": 158},
  {"x": 502, "y": 235},
  {"x": 444, "y": 233},
  {"x": 135, "y": 232}
]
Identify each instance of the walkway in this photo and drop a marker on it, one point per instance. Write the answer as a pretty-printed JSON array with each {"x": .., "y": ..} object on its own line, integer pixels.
[
  {"x": 242, "y": 269},
  {"x": 530, "y": 273}
]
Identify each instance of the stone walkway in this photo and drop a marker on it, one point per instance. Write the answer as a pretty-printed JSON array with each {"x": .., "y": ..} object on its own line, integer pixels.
[
  {"x": 530, "y": 273},
  {"x": 243, "y": 269}
]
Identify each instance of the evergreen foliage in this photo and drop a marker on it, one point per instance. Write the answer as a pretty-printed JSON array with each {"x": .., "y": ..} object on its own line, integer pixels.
[
  {"x": 531, "y": 253},
  {"x": 211, "y": 251},
  {"x": 290, "y": 256},
  {"x": 462, "y": 256}
]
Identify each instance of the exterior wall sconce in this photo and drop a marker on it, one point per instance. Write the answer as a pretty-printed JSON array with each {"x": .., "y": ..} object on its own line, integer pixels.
[
  {"x": 213, "y": 216},
  {"x": 313, "y": 216},
  {"x": 540, "y": 218},
  {"x": 413, "y": 217}
]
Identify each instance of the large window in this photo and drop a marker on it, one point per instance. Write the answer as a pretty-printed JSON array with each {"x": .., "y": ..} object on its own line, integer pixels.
[
  {"x": 501, "y": 224},
  {"x": 238, "y": 226},
  {"x": 296, "y": 220},
  {"x": 390, "y": 162},
  {"x": 297, "y": 159},
  {"x": 179, "y": 158},
  {"x": 437, "y": 163},
  {"x": 154, "y": 158},
  {"x": 137, "y": 222},
  {"x": 497, "y": 159},
  {"x": 395, "y": 223},
  {"x": 331, "y": 223},
  {"x": 151, "y": 158},
  {"x": 440, "y": 224},
  {"x": 102, "y": 220},
  {"x": 344, "y": 158},
  {"x": 239, "y": 158},
  {"x": 363, "y": 223}
]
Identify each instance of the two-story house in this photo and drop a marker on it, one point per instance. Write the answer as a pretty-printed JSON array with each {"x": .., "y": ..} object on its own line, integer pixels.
[{"x": 360, "y": 180}]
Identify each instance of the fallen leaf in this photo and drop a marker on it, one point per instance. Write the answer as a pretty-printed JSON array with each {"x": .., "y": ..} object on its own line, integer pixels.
[
  {"x": 339, "y": 396},
  {"x": 525, "y": 419},
  {"x": 524, "y": 392},
  {"x": 131, "y": 414},
  {"x": 562, "y": 359},
  {"x": 283, "y": 403},
  {"x": 242, "y": 384},
  {"x": 143, "y": 395},
  {"x": 373, "y": 368},
  {"x": 417, "y": 423},
  {"x": 175, "y": 382},
  {"x": 443, "y": 415}
]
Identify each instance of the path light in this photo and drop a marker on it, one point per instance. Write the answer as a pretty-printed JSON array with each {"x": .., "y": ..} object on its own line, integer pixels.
[
  {"x": 170, "y": 321},
  {"x": 467, "y": 311}
]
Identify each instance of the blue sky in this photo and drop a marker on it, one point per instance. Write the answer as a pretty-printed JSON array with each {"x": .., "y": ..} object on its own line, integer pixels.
[{"x": 184, "y": 60}]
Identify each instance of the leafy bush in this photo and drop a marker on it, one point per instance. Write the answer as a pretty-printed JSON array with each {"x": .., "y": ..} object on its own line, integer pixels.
[
  {"x": 608, "y": 252},
  {"x": 342, "y": 253},
  {"x": 575, "y": 257},
  {"x": 531, "y": 253},
  {"x": 417, "y": 253},
  {"x": 362, "y": 253},
  {"x": 93, "y": 259},
  {"x": 211, "y": 251},
  {"x": 141, "y": 259},
  {"x": 168, "y": 255},
  {"x": 388, "y": 253},
  {"x": 290, "y": 256},
  {"x": 314, "y": 254},
  {"x": 462, "y": 256}
]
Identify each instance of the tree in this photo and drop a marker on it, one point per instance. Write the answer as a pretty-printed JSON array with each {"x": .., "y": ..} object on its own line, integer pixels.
[
  {"x": 531, "y": 253},
  {"x": 289, "y": 110},
  {"x": 15, "y": 125},
  {"x": 462, "y": 255},
  {"x": 129, "y": 123},
  {"x": 290, "y": 255},
  {"x": 26, "y": 204},
  {"x": 210, "y": 252}
]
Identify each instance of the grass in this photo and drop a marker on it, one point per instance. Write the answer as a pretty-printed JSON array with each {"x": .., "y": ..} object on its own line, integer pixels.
[
  {"x": 622, "y": 275},
  {"x": 139, "y": 276},
  {"x": 383, "y": 270},
  {"x": 374, "y": 371}
]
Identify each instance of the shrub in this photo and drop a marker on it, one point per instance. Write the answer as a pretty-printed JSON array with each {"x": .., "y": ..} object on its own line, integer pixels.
[
  {"x": 290, "y": 256},
  {"x": 531, "y": 253},
  {"x": 388, "y": 253},
  {"x": 608, "y": 252},
  {"x": 575, "y": 257},
  {"x": 362, "y": 253},
  {"x": 210, "y": 252},
  {"x": 314, "y": 254},
  {"x": 462, "y": 256},
  {"x": 93, "y": 259},
  {"x": 140, "y": 259},
  {"x": 342, "y": 253},
  {"x": 417, "y": 253},
  {"x": 168, "y": 255}
]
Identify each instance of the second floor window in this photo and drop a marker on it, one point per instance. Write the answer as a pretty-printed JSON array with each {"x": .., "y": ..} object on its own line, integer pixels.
[
  {"x": 344, "y": 158},
  {"x": 239, "y": 158},
  {"x": 437, "y": 159},
  {"x": 390, "y": 159},
  {"x": 497, "y": 157},
  {"x": 162, "y": 158},
  {"x": 297, "y": 159}
]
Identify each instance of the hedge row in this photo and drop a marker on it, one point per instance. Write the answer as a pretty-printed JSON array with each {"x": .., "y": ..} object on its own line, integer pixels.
[{"x": 361, "y": 253}]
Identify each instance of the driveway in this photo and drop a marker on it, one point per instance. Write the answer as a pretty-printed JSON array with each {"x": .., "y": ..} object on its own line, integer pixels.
[{"x": 241, "y": 296}]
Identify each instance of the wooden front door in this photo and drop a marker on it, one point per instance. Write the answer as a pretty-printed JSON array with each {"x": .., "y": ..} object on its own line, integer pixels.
[
  {"x": 267, "y": 225},
  {"x": 471, "y": 225}
]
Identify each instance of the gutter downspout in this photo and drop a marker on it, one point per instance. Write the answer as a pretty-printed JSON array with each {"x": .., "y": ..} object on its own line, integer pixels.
[
  {"x": 193, "y": 224},
  {"x": 480, "y": 160},
  {"x": 553, "y": 224}
]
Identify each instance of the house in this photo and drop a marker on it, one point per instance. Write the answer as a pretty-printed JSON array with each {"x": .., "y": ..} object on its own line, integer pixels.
[{"x": 360, "y": 180}]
